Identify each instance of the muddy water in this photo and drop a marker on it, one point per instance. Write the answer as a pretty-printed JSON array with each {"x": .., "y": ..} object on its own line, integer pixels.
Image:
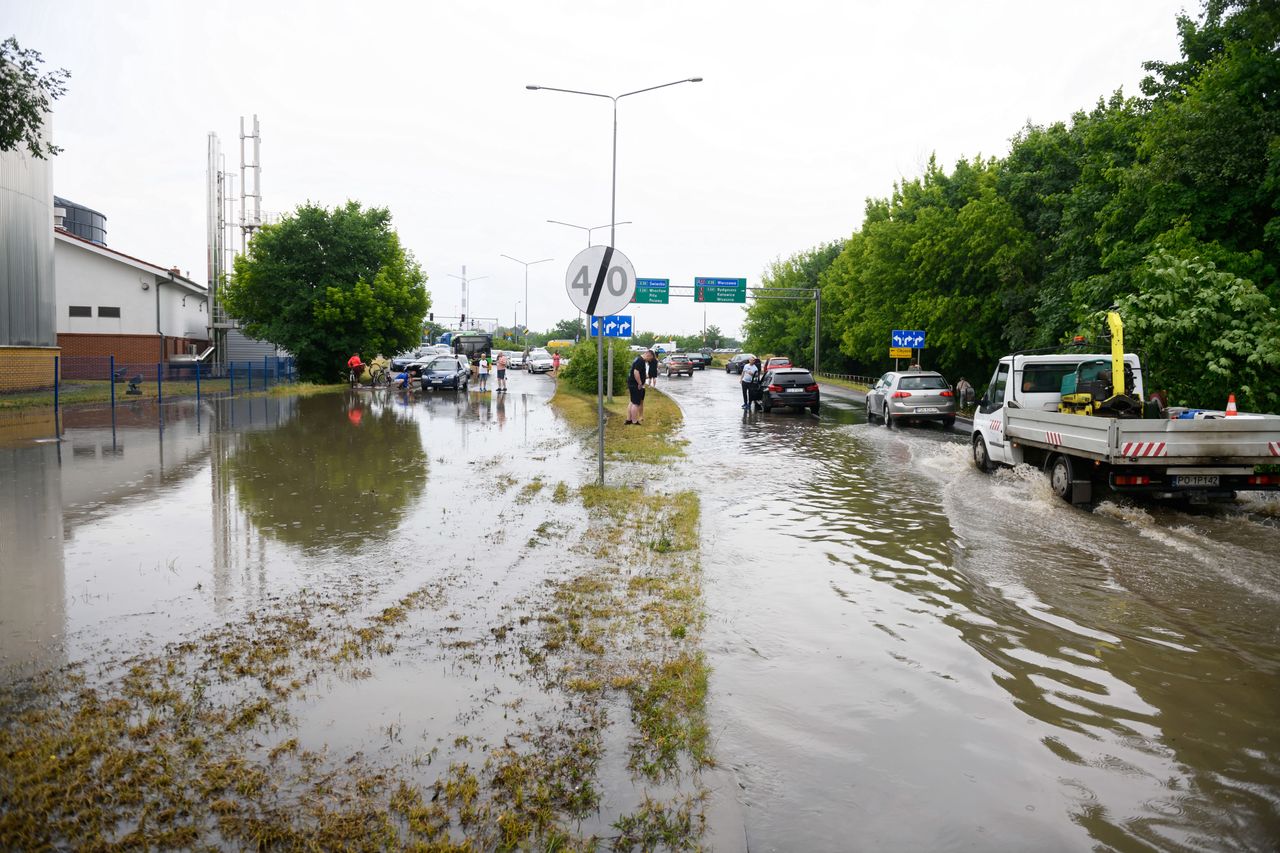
[
  {"x": 909, "y": 655},
  {"x": 143, "y": 526}
]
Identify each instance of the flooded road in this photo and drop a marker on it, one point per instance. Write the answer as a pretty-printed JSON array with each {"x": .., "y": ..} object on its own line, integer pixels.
[
  {"x": 909, "y": 655},
  {"x": 905, "y": 654}
]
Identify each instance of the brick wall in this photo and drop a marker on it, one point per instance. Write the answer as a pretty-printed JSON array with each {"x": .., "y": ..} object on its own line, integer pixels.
[
  {"x": 128, "y": 349},
  {"x": 26, "y": 368}
]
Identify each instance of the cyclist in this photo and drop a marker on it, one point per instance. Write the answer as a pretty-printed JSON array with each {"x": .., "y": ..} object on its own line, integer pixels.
[{"x": 355, "y": 368}]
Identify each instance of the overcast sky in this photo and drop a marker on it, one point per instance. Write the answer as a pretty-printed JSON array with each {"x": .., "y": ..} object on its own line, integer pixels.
[{"x": 807, "y": 108}]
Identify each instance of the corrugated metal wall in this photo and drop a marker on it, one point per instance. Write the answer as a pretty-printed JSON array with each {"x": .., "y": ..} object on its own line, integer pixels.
[
  {"x": 239, "y": 348},
  {"x": 26, "y": 250}
]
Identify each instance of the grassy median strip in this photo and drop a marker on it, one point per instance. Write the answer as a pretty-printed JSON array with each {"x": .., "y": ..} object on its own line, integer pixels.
[{"x": 650, "y": 441}]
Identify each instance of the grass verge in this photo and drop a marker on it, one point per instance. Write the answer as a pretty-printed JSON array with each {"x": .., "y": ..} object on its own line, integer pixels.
[
  {"x": 651, "y": 441},
  {"x": 844, "y": 383}
]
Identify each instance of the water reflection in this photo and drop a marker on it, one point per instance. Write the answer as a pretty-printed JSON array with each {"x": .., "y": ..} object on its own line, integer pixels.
[{"x": 343, "y": 469}]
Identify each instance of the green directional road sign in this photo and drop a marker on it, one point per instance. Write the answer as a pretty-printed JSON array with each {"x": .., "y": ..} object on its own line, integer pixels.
[
  {"x": 719, "y": 290},
  {"x": 652, "y": 291}
]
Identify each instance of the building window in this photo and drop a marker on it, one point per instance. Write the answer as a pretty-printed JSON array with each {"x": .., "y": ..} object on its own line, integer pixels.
[
  {"x": 80, "y": 311},
  {"x": 108, "y": 311}
]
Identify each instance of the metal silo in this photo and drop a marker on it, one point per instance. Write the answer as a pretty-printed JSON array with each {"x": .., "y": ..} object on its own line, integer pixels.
[{"x": 26, "y": 249}]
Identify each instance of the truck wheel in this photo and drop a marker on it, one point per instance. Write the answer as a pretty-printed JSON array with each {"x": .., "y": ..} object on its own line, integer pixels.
[
  {"x": 1060, "y": 476},
  {"x": 981, "y": 458}
]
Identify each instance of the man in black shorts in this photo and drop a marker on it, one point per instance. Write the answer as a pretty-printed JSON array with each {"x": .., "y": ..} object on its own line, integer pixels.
[{"x": 636, "y": 377}]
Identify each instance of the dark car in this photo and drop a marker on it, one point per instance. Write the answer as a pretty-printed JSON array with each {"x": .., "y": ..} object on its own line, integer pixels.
[
  {"x": 734, "y": 365},
  {"x": 676, "y": 364},
  {"x": 911, "y": 395},
  {"x": 700, "y": 360},
  {"x": 446, "y": 371},
  {"x": 791, "y": 386}
]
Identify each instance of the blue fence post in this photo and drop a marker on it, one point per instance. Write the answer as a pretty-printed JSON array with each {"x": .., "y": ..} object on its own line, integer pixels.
[
  {"x": 197, "y": 384},
  {"x": 56, "y": 374},
  {"x": 231, "y": 368},
  {"x": 159, "y": 383},
  {"x": 111, "y": 379},
  {"x": 248, "y": 369},
  {"x": 266, "y": 370}
]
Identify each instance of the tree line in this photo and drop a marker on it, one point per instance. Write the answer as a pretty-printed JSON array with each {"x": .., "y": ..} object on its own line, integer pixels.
[{"x": 1165, "y": 206}]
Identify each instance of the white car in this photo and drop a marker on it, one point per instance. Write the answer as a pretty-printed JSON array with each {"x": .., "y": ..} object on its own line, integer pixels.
[{"x": 539, "y": 361}]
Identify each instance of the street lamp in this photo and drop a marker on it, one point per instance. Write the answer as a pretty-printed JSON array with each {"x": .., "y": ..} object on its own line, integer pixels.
[
  {"x": 589, "y": 229},
  {"x": 515, "y": 313},
  {"x": 527, "y": 264},
  {"x": 613, "y": 201},
  {"x": 613, "y": 227}
]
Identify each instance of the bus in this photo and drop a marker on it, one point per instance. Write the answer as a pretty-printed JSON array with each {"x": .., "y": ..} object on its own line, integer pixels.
[{"x": 472, "y": 345}]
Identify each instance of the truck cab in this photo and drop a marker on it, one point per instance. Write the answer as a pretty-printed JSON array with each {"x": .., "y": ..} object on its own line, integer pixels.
[{"x": 1029, "y": 382}]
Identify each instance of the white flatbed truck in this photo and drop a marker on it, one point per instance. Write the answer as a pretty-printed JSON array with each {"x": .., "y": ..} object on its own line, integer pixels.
[{"x": 1208, "y": 457}]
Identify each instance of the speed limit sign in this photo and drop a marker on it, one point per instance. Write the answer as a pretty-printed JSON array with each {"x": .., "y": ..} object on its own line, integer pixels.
[{"x": 600, "y": 281}]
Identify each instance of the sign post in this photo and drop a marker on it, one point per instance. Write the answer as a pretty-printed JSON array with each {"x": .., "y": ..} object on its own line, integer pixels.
[{"x": 600, "y": 281}]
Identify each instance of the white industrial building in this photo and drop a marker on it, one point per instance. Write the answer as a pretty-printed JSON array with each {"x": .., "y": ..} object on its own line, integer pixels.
[{"x": 110, "y": 303}]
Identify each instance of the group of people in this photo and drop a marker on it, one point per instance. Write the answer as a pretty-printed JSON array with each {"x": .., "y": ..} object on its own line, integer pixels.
[{"x": 499, "y": 364}]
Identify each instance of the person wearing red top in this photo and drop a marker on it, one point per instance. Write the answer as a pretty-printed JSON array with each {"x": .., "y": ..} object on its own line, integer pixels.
[{"x": 356, "y": 367}]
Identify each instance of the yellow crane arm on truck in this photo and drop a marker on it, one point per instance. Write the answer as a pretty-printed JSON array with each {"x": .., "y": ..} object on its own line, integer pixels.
[{"x": 1117, "y": 353}]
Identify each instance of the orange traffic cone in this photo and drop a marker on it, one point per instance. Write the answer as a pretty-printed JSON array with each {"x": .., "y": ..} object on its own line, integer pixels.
[{"x": 1231, "y": 405}]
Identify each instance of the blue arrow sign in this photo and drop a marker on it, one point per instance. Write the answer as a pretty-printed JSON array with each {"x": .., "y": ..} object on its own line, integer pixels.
[
  {"x": 908, "y": 338},
  {"x": 615, "y": 326}
]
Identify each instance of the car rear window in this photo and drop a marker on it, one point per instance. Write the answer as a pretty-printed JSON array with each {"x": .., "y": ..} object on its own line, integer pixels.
[
  {"x": 922, "y": 383},
  {"x": 798, "y": 377}
]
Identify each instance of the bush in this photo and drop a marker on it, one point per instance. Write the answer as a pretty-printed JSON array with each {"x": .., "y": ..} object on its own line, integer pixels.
[{"x": 580, "y": 372}]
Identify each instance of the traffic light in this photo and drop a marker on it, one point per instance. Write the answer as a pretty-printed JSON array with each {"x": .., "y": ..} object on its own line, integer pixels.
[
  {"x": 462, "y": 321},
  {"x": 431, "y": 317}
]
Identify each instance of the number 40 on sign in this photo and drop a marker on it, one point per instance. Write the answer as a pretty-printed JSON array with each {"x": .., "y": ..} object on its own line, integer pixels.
[{"x": 600, "y": 281}]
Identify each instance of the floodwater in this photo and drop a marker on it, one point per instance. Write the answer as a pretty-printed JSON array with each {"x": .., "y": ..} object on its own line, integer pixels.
[
  {"x": 906, "y": 654},
  {"x": 910, "y": 655}
]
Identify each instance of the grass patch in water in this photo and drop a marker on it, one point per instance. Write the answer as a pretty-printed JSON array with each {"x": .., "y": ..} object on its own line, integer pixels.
[{"x": 650, "y": 441}]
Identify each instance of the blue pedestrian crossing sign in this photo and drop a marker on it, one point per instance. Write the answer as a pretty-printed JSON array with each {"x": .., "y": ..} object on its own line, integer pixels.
[
  {"x": 615, "y": 326},
  {"x": 913, "y": 338}
]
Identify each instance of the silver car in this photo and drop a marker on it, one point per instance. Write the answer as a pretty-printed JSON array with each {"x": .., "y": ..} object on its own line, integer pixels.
[
  {"x": 913, "y": 395},
  {"x": 538, "y": 361}
]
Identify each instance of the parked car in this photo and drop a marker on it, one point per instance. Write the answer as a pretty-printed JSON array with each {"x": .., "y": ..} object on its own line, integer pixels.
[
  {"x": 538, "y": 361},
  {"x": 404, "y": 359},
  {"x": 676, "y": 364},
  {"x": 901, "y": 396},
  {"x": 446, "y": 371},
  {"x": 734, "y": 365},
  {"x": 515, "y": 359},
  {"x": 700, "y": 360},
  {"x": 791, "y": 386},
  {"x": 776, "y": 362}
]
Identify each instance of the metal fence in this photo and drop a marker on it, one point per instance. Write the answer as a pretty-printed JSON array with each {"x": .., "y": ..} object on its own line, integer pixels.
[
  {"x": 849, "y": 377},
  {"x": 104, "y": 379}
]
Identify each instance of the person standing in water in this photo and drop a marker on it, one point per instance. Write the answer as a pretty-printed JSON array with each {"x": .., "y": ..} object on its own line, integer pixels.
[
  {"x": 502, "y": 372},
  {"x": 483, "y": 368}
]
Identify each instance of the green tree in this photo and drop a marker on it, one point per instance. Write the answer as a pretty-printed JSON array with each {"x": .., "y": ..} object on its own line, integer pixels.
[
  {"x": 581, "y": 373},
  {"x": 26, "y": 96},
  {"x": 323, "y": 284},
  {"x": 785, "y": 326},
  {"x": 1206, "y": 333}
]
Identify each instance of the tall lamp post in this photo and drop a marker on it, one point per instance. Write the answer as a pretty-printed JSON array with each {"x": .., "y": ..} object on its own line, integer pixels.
[
  {"x": 591, "y": 228},
  {"x": 526, "y": 264},
  {"x": 613, "y": 227},
  {"x": 466, "y": 289}
]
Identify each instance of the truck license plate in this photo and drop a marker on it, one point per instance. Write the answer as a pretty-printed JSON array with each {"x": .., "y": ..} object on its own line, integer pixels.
[{"x": 1196, "y": 480}]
